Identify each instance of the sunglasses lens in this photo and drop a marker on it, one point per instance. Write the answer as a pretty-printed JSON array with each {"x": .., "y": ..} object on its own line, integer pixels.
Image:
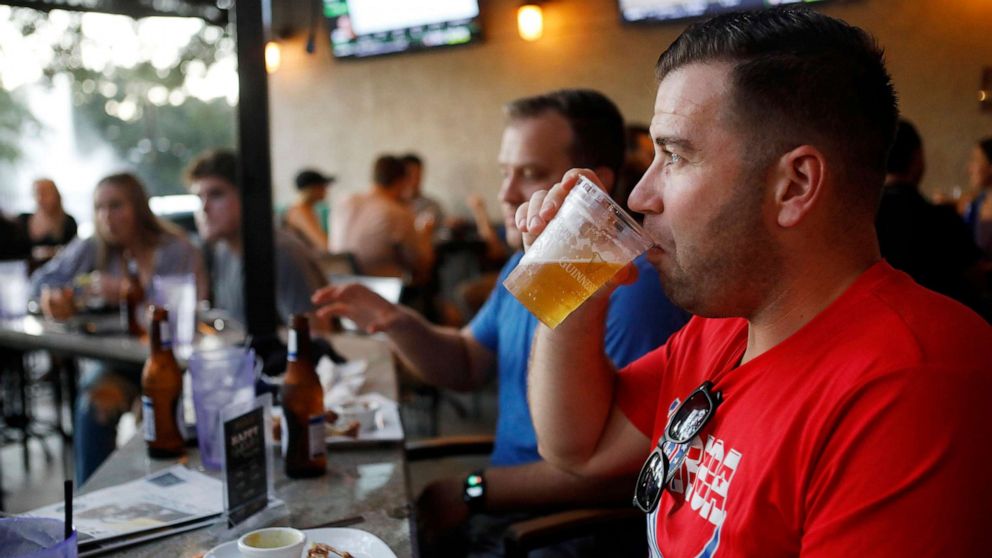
[
  {"x": 690, "y": 418},
  {"x": 650, "y": 482}
]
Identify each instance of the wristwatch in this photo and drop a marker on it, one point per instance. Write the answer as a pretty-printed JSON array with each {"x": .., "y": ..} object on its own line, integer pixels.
[{"x": 474, "y": 491}]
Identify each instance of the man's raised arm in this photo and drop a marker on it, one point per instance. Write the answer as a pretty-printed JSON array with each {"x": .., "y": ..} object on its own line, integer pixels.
[
  {"x": 571, "y": 380},
  {"x": 442, "y": 356}
]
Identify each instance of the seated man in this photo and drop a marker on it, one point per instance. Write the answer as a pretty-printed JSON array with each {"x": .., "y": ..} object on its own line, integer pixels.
[
  {"x": 423, "y": 206},
  {"x": 213, "y": 177},
  {"x": 544, "y": 136},
  {"x": 821, "y": 404},
  {"x": 380, "y": 229}
]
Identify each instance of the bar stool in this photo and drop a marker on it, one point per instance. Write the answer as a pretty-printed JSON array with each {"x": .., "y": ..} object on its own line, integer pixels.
[{"x": 19, "y": 424}]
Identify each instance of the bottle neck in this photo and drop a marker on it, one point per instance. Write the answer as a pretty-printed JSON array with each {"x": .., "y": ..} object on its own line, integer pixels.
[
  {"x": 160, "y": 337},
  {"x": 298, "y": 345}
]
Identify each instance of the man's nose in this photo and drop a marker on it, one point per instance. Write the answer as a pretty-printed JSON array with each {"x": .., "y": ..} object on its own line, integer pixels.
[
  {"x": 646, "y": 195},
  {"x": 510, "y": 191}
]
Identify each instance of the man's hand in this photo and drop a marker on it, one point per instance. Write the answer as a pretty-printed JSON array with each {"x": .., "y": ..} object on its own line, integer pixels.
[
  {"x": 369, "y": 311},
  {"x": 533, "y": 216},
  {"x": 441, "y": 509},
  {"x": 57, "y": 303}
]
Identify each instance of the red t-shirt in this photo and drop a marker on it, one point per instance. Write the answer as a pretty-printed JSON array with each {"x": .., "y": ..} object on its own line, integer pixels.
[{"x": 866, "y": 433}]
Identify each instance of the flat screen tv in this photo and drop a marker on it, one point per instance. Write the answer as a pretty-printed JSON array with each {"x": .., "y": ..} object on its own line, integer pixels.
[
  {"x": 648, "y": 11},
  {"x": 361, "y": 28}
]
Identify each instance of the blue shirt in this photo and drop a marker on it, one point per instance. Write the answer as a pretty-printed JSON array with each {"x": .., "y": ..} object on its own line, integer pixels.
[{"x": 640, "y": 318}]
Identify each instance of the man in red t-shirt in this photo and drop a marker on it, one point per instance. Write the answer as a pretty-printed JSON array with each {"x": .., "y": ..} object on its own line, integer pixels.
[{"x": 821, "y": 404}]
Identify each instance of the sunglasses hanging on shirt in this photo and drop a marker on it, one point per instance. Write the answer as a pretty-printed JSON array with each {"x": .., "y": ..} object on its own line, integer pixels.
[{"x": 667, "y": 457}]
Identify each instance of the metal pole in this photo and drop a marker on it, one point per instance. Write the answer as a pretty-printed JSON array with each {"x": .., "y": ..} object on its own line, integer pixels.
[{"x": 255, "y": 172}]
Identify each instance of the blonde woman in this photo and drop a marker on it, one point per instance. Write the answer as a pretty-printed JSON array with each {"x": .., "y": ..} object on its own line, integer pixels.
[
  {"x": 124, "y": 225},
  {"x": 49, "y": 227}
]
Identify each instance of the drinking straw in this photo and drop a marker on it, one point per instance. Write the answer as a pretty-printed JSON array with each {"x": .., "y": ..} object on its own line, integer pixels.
[{"x": 68, "y": 507}]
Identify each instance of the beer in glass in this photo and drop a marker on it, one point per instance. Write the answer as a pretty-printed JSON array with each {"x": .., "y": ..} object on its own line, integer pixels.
[{"x": 582, "y": 248}]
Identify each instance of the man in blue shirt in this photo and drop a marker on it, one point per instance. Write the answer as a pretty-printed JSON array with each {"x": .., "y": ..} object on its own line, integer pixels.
[{"x": 544, "y": 136}]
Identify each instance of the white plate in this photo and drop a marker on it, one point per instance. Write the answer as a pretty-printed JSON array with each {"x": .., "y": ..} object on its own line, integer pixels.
[
  {"x": 389, "y": 428},
  {"x": 361, "y": 544}
]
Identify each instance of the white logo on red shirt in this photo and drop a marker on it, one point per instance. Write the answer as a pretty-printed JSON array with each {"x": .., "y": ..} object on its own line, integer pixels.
[{"x": 705, "y": 478}]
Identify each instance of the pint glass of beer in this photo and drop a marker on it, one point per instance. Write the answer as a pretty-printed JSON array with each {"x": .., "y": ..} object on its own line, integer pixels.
[{"x": 582, "y": 248}]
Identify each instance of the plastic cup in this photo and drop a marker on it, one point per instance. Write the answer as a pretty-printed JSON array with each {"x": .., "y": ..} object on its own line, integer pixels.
[
  {"x": 35, "y": 537},
  {"x": 177, "y": 293},
  {"x": 583, "y": 247},
  {"x": 219, "y": 377}
]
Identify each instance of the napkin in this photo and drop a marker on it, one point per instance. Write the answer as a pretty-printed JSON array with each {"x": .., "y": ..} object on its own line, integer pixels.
[{"x": 341, "y": 381}]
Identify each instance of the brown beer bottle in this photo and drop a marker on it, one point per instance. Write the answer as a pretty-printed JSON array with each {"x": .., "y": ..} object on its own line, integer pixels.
[
  {"x": 161, "y": 390},
  {"x": 132, "y": 295},
  {"x": 303, "y": 447}
]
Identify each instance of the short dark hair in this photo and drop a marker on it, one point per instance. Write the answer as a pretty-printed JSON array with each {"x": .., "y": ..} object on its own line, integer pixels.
[
  {"x": 800, "y": 77},
  {"x": 412, "y": 159},
  {"x": 388, "y": 170},
  {"x": 220, "y": 163},
  {"x": 597, "y": 125},
  {"x": 904, "y": 145},
  {"x": 985, "y": 144}
]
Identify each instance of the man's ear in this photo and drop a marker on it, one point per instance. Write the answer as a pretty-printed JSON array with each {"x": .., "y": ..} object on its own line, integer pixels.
[{"x": 798, "y": 177}]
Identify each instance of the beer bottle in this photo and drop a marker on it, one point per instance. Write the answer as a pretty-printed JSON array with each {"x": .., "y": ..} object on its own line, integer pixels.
[
  {"x": 161, "y": 390},
  {"x": 132, "y": 295},
  {"x": 303, "y": 447}
]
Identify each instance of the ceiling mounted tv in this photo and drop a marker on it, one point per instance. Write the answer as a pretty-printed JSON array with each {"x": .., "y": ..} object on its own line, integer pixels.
[
  {"x": 361, "y": 28},
  {"x": 650, "y": 11}
]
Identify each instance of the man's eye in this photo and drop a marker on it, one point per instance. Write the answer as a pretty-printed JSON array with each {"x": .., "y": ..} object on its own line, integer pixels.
[{"x": 671, "y": 158}]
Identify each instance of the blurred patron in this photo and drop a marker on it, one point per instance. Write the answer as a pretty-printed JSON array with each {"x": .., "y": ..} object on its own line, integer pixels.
[
  {"x": 929, "y": 242},
  {"x": 306, "y": 218},
  {"x": 14, "y": 244},
  {"x": 423, "y": 207},
  {"x": 49, "y": 228},
  {"x": 381, "y": 230},
  {"x": 213, "y": 177},
  {"x": 496, "y": 246},
  {"x": 126, "y": 231},
  {"x": 544, "y": 136},
  {"x": 637, "y": 159},
  {"x": 978, "y": 214}
]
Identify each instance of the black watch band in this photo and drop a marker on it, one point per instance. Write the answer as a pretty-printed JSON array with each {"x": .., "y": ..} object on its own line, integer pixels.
[{"x": 474, "y": 491}]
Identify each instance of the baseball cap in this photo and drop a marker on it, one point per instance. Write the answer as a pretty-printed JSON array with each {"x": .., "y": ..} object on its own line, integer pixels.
[{"x": 310, "y": 177}]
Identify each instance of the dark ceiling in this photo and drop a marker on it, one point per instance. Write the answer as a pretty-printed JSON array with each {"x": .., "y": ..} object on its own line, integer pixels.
[{"x": 213, "y": 11}]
